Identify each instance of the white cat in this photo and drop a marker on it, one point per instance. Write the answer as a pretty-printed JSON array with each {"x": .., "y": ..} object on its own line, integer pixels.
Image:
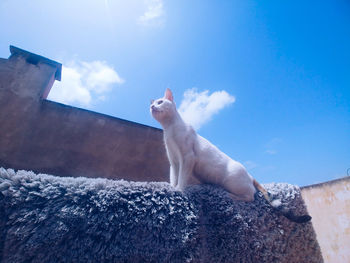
[{"x": 194, "y": 160}]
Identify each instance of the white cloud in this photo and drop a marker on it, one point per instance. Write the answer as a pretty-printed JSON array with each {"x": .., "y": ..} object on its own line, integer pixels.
[
  {"x": 154, "y": 14},
  {"x": 197, "y": 108},
  {"x": 84, "y": 82},
  {"x": 271, "y": 151},
  {"x": 273, "y": 145}
]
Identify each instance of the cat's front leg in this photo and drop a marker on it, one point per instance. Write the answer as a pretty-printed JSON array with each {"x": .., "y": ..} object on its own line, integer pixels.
[
  {"x": 185, "y": 172},
  {"x": 173, "y": 176}
]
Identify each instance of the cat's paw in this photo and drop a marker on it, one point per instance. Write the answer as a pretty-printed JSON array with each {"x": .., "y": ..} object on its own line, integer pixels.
[
  {"x": 179, "y": 188},
  {"x": 276, "y": 203}
]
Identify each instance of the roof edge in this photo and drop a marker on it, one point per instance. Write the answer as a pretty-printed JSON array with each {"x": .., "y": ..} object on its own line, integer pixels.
[
  {"x": 34, "y": 59},
  {"x": 326, "y": 183}
]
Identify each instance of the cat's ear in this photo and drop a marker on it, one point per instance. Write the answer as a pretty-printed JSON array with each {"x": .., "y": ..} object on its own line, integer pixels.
[{"x": 169, "y": 95}]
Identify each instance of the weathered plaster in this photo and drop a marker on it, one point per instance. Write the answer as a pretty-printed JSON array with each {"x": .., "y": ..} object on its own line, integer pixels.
[{"x": 329, "y": 205}]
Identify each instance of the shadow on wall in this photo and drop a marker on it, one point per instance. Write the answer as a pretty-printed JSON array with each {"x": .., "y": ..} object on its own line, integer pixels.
[
  {"x": 49, "y": 137},
  {"x": 99, "y": 220}
]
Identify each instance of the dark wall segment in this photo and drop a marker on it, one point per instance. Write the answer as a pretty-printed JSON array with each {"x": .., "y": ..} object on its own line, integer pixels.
[{"x": 50, "y": 137}]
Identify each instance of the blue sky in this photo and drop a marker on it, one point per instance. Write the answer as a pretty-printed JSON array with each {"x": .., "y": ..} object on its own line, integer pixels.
[{"x": 268, "y": 82}]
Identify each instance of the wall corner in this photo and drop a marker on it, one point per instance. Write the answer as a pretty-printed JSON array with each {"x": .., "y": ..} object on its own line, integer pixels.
[{"x": 34, "y": 59}]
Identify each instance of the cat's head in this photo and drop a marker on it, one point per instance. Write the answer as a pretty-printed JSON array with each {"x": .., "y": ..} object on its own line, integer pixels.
[{"x": 163, "y": 109}]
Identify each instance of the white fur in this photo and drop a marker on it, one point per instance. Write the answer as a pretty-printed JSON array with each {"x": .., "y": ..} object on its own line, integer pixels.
[
  {"x": 195, "y": 160},
  {"x": 276, "y": 203}
]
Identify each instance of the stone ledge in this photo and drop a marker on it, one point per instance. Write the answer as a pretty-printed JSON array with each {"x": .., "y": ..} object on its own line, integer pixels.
[{"x": 53, "y": 219}]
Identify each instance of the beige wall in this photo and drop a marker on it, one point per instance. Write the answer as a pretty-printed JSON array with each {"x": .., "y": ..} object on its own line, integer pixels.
[{"x": 329, "y": 205}]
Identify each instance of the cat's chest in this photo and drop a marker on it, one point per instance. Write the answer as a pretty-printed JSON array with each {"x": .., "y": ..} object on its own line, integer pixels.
[
  {"x": 176, "y": 145},
  {"x": 173, "y": 148}
]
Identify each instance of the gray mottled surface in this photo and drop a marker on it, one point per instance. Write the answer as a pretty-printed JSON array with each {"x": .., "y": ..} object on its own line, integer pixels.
[{"x": 53, "y": 219}]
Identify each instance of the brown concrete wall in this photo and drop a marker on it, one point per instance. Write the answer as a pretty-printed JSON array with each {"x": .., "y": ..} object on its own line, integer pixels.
[
  {"x": 329, "y": 205},
  {"x": 49, "y": 137}
]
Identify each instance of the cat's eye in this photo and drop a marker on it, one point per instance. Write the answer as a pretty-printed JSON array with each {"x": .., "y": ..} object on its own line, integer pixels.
[{"x": 159, "y": 102}]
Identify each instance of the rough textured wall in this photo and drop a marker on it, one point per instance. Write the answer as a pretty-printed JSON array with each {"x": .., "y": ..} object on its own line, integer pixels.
[
  {"x": 329, "y": 205},
  {"x": 49, "y": 137},
  {"x": 55, "y": 219}
]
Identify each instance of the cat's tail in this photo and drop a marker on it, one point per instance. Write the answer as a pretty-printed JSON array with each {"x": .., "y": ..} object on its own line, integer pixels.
[{"x": 277, "y": 205}]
